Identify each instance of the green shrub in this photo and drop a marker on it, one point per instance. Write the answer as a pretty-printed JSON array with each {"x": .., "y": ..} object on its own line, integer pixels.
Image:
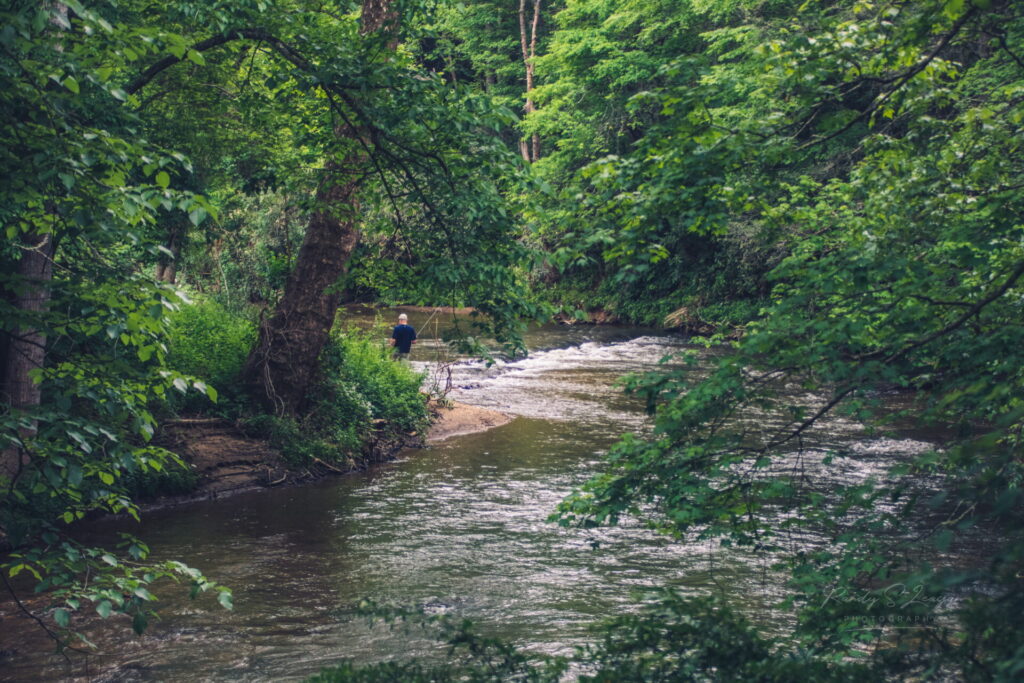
[
  {"x": 359, "y": 360},
  {"x": 359, "y": 384},
  {"x": 728, "y": 313},
  {"x": 210, "y": 343}
]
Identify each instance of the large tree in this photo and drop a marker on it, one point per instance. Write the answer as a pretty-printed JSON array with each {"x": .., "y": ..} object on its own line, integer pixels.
[
  {"x": 379, "y": 122},
  {"x": 285, "y": 360}
]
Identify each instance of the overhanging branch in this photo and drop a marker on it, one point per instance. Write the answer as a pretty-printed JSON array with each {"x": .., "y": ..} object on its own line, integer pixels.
[{"x": 259, "y": 34}]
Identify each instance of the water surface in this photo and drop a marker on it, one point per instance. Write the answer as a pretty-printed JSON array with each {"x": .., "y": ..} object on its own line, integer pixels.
[{"x": 459, "y": 527}]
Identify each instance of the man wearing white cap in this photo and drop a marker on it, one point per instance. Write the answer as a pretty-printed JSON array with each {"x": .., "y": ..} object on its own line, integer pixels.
[{"x": 402, "y": 338}]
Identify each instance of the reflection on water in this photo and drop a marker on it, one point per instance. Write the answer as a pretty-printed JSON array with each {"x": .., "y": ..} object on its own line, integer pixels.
[{"x": 458, "y": 527}]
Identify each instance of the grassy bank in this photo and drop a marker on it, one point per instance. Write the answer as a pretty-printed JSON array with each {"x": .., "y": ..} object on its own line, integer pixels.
[{"x": 363, "y": 408}]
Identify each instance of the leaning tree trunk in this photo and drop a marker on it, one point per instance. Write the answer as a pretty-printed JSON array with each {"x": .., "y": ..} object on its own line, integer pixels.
[
  {"x": 285, "y": 360},
  {"x": 26, "y": 349}
]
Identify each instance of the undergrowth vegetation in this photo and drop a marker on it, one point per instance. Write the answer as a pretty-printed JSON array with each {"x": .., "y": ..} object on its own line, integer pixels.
[
  {"x": 210, "y": 342},
  {"x": 360, "y": 393}
]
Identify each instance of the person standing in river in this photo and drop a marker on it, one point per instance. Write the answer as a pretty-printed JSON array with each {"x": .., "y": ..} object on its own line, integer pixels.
[{"x": 402, "y": 338}]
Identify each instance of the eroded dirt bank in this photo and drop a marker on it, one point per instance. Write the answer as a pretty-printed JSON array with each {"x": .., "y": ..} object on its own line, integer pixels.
[{"x": 226, "y": 460}]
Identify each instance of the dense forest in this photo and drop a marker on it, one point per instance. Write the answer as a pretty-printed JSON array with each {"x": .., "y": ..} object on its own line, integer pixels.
[{"x": 829, "y": 193}]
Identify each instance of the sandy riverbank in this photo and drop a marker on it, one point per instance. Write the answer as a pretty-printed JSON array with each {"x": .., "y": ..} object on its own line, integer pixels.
[{"x": 457, "y": 419}]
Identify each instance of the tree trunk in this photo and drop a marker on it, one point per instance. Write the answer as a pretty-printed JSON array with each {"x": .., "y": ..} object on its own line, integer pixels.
[
  {"x": 528, "y": 45},
  {"x": 26, "y": 349},
  {"x": 378, "y": 15},
  {"x": 285, "y": 361},
  {"x": 167, "y": 266}
]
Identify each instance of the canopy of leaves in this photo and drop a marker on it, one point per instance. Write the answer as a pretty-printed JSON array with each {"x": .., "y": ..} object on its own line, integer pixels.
[
  {"x": 880, "y": 144},
  {"x": 124, "y": 122}
]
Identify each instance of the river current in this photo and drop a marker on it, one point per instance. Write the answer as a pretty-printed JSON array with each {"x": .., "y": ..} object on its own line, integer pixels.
[{"x": 459, "y": 527}]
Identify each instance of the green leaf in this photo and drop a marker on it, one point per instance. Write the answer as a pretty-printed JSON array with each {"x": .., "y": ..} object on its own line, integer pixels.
[
  {"x": 163, "y": 179},
  {"x": 75, "y": 476},
  {"x": 103, "y": 608},
  {"x": 62, "y": 617},
  {"x": 18, "y": 568}
]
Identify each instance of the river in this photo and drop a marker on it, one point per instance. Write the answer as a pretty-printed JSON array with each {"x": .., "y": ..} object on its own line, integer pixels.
[{"x": 458, "y": 527}]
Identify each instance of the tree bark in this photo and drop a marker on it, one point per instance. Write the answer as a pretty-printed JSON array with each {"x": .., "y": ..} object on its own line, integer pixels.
[
  {"x": 284, "y": 364},
  {"x": 26, "y": 350},
  {"x": 528, "y": 45},
  {"x": 285, "y": 360},
  {"x": 167, "y": 265}
]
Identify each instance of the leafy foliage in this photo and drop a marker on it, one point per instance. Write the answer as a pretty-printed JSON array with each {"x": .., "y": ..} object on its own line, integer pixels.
[
  {"x": 671, "y": 639},
  {"x": 360, "y": 386},
  {"x": 81, "y": 180},
  {"x": 639, "y": 212},
  {"x": 876, "y": 144}
]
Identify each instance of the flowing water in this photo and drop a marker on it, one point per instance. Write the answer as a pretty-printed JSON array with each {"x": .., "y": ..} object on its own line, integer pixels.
[{"x": 459, "y": 527}]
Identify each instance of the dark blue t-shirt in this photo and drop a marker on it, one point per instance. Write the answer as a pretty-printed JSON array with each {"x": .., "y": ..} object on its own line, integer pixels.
[{"x": 403, "y": 336}]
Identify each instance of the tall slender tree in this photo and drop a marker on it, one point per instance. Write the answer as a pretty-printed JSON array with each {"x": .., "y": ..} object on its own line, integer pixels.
[
  {"x": 528, "y": 45},
  {"x": 26, "y": 348}
]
